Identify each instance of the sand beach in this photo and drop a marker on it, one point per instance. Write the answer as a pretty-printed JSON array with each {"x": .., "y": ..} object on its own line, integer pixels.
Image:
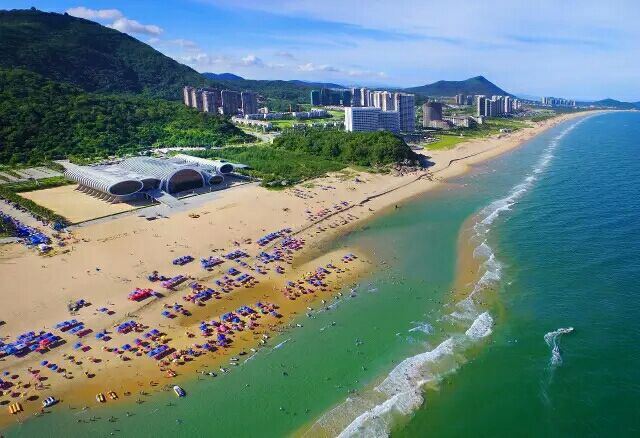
[{"x": 104, "y": 260}]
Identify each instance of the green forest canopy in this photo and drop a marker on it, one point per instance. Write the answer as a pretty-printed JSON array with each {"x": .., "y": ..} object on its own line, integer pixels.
[{"x": 44, "y": 120}]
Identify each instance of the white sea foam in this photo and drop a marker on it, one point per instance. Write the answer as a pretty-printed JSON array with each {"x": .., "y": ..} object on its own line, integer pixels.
[
  {"x": 481, "y": 327},
  {"x": 401, "y": 391},
  {"x": 553, "y": 340},
  {"x": 423, "y": 327},
  {"x": 281, "y": 344}
]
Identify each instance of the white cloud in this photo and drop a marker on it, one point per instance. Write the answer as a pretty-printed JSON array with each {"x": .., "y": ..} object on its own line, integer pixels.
[
  {"x": 311, "y": 67},
  {"x": 132, "y": 26},
  {"x": 115, "y": 19},
  {"x": 252, "y": 60},
  {"x": 93, "y": 14},
  {"x": 186, "y": 44},
  {"x": 286, "y": 55}
]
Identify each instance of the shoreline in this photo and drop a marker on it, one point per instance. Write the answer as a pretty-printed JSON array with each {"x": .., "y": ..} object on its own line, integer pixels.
[{"x": 115, "y": 235}]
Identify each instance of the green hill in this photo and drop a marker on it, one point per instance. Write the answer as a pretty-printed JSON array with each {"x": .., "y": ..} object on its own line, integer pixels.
[
  {"x": 612, "y": 103},
  {"x": 476, "y": 85},
  {"x": 42, "y": 120},
  {"x": 86, "y": 54}
]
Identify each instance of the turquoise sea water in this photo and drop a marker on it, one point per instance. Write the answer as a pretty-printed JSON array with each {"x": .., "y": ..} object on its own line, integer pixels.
[{"x": 556, "y": 227}]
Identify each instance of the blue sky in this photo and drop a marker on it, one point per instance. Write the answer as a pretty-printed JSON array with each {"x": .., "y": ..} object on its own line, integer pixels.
[{"x": 584, "y": 49}]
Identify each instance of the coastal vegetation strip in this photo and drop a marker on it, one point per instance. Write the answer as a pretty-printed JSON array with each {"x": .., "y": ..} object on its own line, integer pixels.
[{"x": 298, "y": 156}]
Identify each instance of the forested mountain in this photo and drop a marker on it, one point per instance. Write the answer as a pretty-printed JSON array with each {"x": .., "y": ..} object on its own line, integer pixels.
[
  {"x": 476, "y": 85},
  {"x": 42, "y": 120},
  {"x": 86, "y": 54}
]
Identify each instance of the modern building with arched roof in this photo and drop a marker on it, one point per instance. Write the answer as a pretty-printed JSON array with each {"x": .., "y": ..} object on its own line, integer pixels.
[{"x": 140, "y": 176}]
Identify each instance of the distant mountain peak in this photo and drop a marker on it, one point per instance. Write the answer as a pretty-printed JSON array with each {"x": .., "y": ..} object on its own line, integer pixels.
[
  {"x": 223, "y": 76},
  {"x": 474, "y": 85}
]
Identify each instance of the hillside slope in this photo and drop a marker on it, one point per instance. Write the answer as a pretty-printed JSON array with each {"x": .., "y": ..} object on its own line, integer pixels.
[
  {"x": 44, "y": 120},
  {"x": 475, "y": 85},
  {"x": 86, "y": 54}
]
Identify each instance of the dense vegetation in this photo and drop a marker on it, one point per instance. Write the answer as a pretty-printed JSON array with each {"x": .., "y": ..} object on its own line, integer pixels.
[
  {"x": 11, "y": 192},
  {"x": 93, "y": 57},
  {"x": 297, "y": 156},
  {"x": 276, "y": 166},
  {"x": 43, "y": 120},
  {"x": 360, "y": 148}
]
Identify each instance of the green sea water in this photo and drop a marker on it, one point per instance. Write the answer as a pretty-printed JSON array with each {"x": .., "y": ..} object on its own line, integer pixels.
[{"x": 396, "y": 355}]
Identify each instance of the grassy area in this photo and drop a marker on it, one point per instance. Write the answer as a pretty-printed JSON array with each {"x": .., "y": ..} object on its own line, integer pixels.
[
  {"x": 450, "y": 139},
  {"x": 446, "y": 142},
  {"x": 11, "y": 192}
]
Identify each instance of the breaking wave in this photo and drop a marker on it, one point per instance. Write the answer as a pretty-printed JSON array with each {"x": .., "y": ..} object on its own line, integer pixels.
[
  {"x": 371, "y": 414},
  {"x": 552, "y": 339}
]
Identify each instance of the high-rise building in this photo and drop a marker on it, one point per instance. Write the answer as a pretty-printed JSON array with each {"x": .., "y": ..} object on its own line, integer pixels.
[
  {"x": 461, "y": 99},
  {"x": 405, "y": 105},
  {"x": 356, "y": 96},
  {"x": 186, "y": 92},
  {"x": 249, "y": 102},
  {"x": 389, "y": 121},
  {"x": 499, "y": 105},
  {"x": 230, "y": 102},
  {"x": 480, "y": 105},
  {"x": 382, "y": 100},
  {"x": 431, "y": 111},
  {"x": 387, "y": 101},
  {"x": 362, "y": 119},
  {"x": 508, "y": 105},
  {"x": 375, "y": 99},
  {"x": 365, "y": 97},
  {"x": 345, "y": 98},
  {"x": 325, "y": 96},
  {"x": 315, "y": 98},
  {"x": 211, "y": 101},
  {"x": 489, "y": 108},
  {"x": 196, "y": 99}
]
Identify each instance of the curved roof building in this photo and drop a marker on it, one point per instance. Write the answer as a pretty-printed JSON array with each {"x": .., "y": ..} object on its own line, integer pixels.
[
  {"x": 217, "y": 166},
  {"x": 173, "y": 176},
  {"x": 124, "y": 180},
  {"x": 111, "y": 182}
]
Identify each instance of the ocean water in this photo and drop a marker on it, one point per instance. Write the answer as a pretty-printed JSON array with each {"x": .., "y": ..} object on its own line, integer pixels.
[
  {"x": 542, "y": 342},
  {"x": 564, "y": 360}
]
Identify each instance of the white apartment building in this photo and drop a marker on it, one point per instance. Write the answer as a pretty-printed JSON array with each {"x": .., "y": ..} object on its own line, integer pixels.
[
  {"x": 362, "y": 119},
  {"x": 370, "y": 119}
]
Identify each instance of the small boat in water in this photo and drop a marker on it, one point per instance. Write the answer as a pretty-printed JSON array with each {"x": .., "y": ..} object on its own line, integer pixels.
[
  {"x": 179, "y": 391},
  {"x": 112, "y": 395},
  {"x": 100, "y": 398},
  {"x": 48, "y": 402}
]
